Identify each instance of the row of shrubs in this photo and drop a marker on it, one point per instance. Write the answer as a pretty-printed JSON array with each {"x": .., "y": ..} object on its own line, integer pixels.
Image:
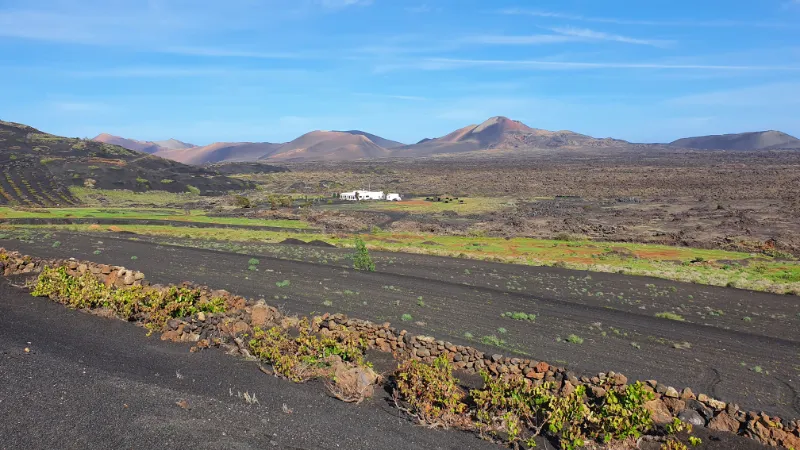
[
  {"x": 149, "y": 305},
  {"x": 508, "y": 409},
  {"x": 308, "y": 355},
  {"x": 513, "y": 410}
]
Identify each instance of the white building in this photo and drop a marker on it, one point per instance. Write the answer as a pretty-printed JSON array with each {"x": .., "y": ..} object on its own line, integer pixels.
[
  {"x": 362, "y": 195},
  {"x": 393, "y": 197}
]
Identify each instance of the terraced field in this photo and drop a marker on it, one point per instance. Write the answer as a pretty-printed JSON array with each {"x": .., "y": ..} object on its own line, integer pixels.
[{"x": 30, "y": 186}]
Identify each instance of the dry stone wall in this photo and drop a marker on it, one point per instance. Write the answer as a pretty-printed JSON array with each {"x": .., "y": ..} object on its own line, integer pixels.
[{"x": 228, "y": 330}]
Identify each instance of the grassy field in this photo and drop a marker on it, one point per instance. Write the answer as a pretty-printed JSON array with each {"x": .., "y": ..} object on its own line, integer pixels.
[
  {"x": 123, "y": 198},
  {"x": 194, "y": 216},
  {"x": 418, "y": 205},
  {"x": 712, "y": 267}
]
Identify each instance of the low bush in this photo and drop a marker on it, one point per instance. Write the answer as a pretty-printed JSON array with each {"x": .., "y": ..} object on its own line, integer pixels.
[
  {"x": 670, "y": 316},
  {"x": 151, "y": 306},
  {"x": 519, "y": 316},
  {"x": 430, "y": 393},
  {"x": 511, "y": 409},
  {"x": 361, "y": 258},
  {"x": 307, "y": 355}
]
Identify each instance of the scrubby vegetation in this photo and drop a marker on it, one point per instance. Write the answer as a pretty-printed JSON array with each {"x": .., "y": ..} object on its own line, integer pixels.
[
  {"x": 151, "y": 306},
  {"x": 307, "y": 355},
  {"x": 514, "y": 410},
  {"x": 361, "y": 258}
]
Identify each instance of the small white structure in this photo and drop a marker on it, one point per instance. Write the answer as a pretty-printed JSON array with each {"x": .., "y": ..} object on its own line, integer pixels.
[
  {"x": 362, "y": 195},
  {"x": 393, "y": 197}
]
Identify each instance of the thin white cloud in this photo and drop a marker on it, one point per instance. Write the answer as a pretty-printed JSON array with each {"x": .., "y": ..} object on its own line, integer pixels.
[
  {"x": 230, "y": 53},
  {"x": 453, "y": 64},
  {"x": 768, "y": 95},
  {"x": 398, "y": 97},
  {"x": 337, "y": 4},
  {"x": 624, "y": 21},
  {"x": 79, "y": 107},
  {"x": 178, "y": 72},
  {"x": 534, "y": 39},
  {"x": 591, "y": 35},
  {"x": 563, "y": 35}
]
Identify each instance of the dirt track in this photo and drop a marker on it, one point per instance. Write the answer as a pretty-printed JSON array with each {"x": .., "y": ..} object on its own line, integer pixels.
[{"x": 753, "y": 363}]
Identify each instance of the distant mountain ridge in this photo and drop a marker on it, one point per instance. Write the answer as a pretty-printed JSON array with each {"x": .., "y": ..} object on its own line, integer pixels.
[
  {"x": 502, "y": 133},
  {"x": 757, "y": 140},
  {"x": 328, "y": 146},
  {"x": 142, "y": 146},
  {"x": 497, "y": 134}
]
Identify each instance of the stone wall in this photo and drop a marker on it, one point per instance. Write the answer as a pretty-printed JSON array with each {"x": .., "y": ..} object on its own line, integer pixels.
[{"x": 242, "y": 315}]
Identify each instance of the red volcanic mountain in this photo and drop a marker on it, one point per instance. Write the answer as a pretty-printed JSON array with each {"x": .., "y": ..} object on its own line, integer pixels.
[
  {"x": 130, "y": 144},
  {"x": 500, "y": 133},
  {"x": 220, "y": 152},
  {"x": 327, "y": 146}
]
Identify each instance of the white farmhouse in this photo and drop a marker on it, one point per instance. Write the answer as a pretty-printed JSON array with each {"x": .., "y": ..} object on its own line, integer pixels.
[
  {"x": 362, "y": 195},
  {"x": 393, "y": 197}
]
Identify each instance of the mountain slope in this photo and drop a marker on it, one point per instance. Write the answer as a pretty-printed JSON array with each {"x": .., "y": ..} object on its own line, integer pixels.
[
  {"x": 130, "y": 144},
  {"x": 501, "y": 133},
  {"x": 39, "y": 168},
  {"x": 383, "y": 142},
  {"x": 220, "y": 152},
  {"x": 759, "y": 140},
  {"x": 174, "y": 144},
  {"x": 327, "y": 146}
]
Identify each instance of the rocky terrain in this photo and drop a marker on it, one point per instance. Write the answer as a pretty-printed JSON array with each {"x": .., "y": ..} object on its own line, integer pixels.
[
  {"x": 242, "y": 316},
  {"x": 39, "y": 167},
  {"x": 761, "y": 140}
]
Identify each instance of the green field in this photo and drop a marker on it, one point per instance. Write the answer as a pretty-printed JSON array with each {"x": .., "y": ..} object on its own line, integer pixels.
[
  {"x": 179, "y": 215},
  {"x": 712, "y": 267},
  {"x": 418, "y": 205}
]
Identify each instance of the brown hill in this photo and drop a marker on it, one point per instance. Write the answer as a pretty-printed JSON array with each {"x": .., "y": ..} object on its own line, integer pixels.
[
  {"x": 759, "y": 140},
  {"x": 220, "y": 152},
  {"x": 327, "y": 146},
  {"x": 383, "y": 142},
  {"x": 38, "y": 169},
  {"x": 130, "y": 144},
  {"x": 174, "y": 144},
  {"x": 501, "y": 133}
]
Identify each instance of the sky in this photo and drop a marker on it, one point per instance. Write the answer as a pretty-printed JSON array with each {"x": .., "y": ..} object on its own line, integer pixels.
[{"x": 269, "y": 70}]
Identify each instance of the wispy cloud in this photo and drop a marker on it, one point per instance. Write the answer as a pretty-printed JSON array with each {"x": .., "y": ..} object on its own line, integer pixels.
[
  {"x": 79, "y": 107},
  {"x": 414, "y": 98},
  {"x": 231, "y": 53},
  {"x": 179, "y": 72},
  {"x": 591, "y": 35},
  {"x": 534, "y": 39},
  {"x": 337, "y": 4},
  {"x": 433, "y": 64},
  {"x": 563, "y": 35},
  {"x": 422, "y": 9},
  {"x": 768, "y": 95},
  {"x": 625, "y": 21}
]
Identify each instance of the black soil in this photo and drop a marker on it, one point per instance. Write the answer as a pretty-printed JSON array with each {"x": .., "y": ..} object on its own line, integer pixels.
[
  {"x": 753, "y": 363},
  {"x": 89, "y": 382},
  {"x": 38, "y": 167}
]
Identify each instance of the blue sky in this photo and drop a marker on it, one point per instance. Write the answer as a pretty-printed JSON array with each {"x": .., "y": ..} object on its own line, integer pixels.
[{"x": 270, "y": 70}]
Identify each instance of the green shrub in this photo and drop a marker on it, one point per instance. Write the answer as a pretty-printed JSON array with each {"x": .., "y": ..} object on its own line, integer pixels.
[
  {"x": 241, "y": 201},
  {"x": 153, "y": 306},
  {"x": 192, "y": 190},
  {"x": 574, "y": 339},
  {"x": 361, "y": 258},
  {"x": 431, "y": 392},
  {"x": 406, "y": 318},
  {"x": 670, "y": 316},
  {"x": 306, "y": 356},
  {"x": 519, "y": 316}
]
